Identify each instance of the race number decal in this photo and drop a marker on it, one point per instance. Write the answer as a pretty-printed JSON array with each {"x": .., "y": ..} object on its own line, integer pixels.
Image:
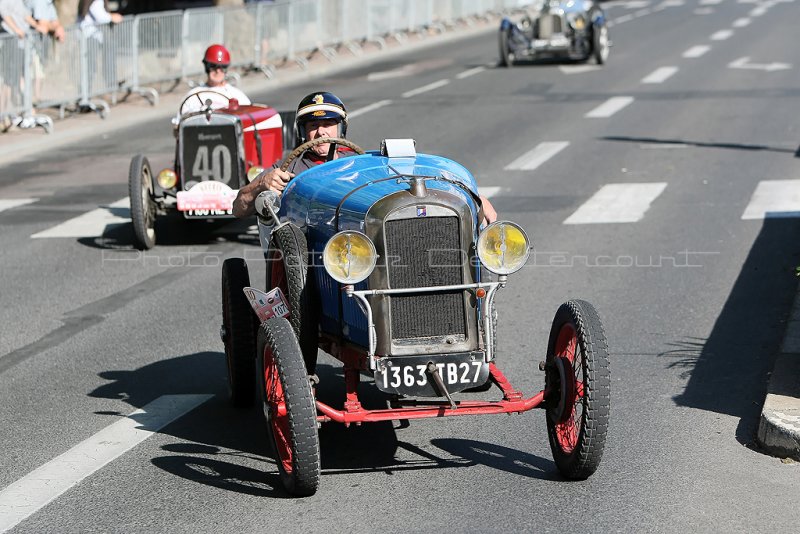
[
  {"x": 217, "y": 167},
  {"x": 209, "y": 153},
  {"x": 267, "y": 305}
]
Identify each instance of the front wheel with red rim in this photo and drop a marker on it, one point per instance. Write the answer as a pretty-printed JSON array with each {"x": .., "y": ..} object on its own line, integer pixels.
[
  {"x": 288, "y": 407},
  {"x": 578, "y": 382}
]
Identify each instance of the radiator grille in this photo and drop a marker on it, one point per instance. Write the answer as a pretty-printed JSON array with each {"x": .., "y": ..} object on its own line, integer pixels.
[{"x": 425, "y": 251}]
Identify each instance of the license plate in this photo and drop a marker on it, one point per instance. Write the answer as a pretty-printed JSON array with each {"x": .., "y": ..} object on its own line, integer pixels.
[
  {"x": 194, "y": 214},
  {"x": 408, "y": 375}
]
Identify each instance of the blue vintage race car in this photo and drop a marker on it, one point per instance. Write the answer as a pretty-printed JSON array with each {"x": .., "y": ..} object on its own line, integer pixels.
[{"x": 378, "y": 260}]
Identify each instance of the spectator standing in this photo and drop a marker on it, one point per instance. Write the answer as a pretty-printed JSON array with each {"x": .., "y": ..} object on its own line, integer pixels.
[
  {"x": 16, "y": 20},
  {"x": 92, "y": 14},
  {"x": 44, "y": 12}
]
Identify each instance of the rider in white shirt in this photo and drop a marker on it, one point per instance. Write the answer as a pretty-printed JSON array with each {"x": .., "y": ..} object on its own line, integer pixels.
[{"x": 216, "y": 61}]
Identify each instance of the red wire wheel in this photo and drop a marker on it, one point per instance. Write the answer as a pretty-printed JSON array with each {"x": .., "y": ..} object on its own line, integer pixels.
[
  {"x": 578, "y": 382},
  {"x": 288, "y": 407}
]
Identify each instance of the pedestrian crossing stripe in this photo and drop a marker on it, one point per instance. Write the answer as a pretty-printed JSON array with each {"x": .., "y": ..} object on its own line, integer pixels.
[
  {"x": 91, "y": 224},
  {"x": 617, "y": 203},
  {"x": 774, "y": 199},
  {"x": 9, "y": 203}
]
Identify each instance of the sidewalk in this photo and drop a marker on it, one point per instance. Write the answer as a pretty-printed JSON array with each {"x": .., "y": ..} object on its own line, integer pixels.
[
  {"x": 779, "y": 428},
  {"x": 18, "y": 143}
]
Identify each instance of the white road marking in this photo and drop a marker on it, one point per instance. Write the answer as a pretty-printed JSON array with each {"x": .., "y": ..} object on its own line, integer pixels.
[
  {"x": 367, "y": 109},
  {"x": 534, "y": 158},
  {"x": 696, "y": 51},
  {"x": 722, "y": 35},
  {"x": 578, "y": 69},
  {"x": 470, "y": 72},
  {"x": 710, "y": 2},
  {"x": 660, "y": 75},
  {"x": 635, "y": 4},
  {"x": 32, "y": 492},
  {"x": 406, "y": 70},
  {"x": 93, "y": 223},
  {"x": 744, "y": 63},
  {"x": 642, "y": 12},
  {"x": 617, "y": 203},
  {"x": 671, "y": 3},
  {"x": 609, "y": 107},
  {"x": 8, "y": 203},
  {"x": 774, "y": 199},
  {"x": 425, "y": 88},
  {"x": 757, "y": 12},
  {"x": 489, "y": 191},
  {"x": 623, "y": 18},
  {"x": 704, "y": 11},
  {"x": 741, "y": 23}
]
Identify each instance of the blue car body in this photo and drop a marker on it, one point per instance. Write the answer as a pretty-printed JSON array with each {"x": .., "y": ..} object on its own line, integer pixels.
[{"x": 338, "y": 195}]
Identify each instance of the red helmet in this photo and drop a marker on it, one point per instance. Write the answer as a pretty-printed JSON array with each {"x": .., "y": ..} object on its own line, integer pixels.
[{"x": 217, "y": 54}]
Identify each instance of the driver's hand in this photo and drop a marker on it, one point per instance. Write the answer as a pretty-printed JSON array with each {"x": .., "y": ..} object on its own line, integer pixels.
[
  {"x": 489, "y": 212},
  {"x": 274, "y": 180}
]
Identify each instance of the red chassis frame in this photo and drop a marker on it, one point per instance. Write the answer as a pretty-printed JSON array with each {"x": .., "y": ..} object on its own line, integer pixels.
[{"x": 355, "y": 361}]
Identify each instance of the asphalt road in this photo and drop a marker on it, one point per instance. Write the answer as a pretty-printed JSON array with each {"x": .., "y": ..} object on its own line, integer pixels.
[{"x": 692, "y": 281}]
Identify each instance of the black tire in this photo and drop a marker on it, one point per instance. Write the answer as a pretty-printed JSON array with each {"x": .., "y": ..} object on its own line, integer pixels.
[
  {"x": 289, "y": 130},
  {"x": 506, "y": 56},
  {"x": 600, "y": 46},
  {"x": 143, "y": 208},
  {"x": 287, "y": 268},
  {"x": 284, "y": 383},
  {"x": 577, "y": 423},
  {"x": 239, "y": 324}
]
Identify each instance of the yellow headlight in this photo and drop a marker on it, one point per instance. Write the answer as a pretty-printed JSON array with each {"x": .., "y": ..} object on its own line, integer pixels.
[
  {"x": 167, "y": 179},
  {"x": 503, "y": 247},
  {"x": 349, "y": 257},
  {"x": 253, "y": 172}
]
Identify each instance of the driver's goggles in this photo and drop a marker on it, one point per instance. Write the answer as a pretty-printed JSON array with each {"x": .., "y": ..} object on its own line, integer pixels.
[{"x": 216, "y": 66}]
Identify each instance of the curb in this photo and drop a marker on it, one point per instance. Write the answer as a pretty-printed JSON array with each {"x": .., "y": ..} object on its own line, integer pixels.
[
  {"x": 779, "y": 427},
  {"x": 76, "y": 127}
]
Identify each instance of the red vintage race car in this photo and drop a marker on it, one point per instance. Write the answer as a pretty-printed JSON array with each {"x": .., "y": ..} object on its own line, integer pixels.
[{"x": 219, "y": 149}]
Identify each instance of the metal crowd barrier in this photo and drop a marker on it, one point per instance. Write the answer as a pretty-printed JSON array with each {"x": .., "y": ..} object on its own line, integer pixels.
[{"x": 166, "y": 47}]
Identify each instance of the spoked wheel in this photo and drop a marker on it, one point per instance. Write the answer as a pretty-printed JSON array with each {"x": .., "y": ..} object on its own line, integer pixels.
[
  {"x": 600, "y": 44},
  {"x": 238, "y": 333},
  {"x": 506, "y": 55},
  {"x": 143, "y": 207},
  {"x": 579, "y": 385},
  {"x": 287, "y": 268},
  {"x": 288, "y": 406}
]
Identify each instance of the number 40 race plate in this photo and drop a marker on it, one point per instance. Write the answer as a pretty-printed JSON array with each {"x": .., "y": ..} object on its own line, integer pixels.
[{"x": 408, "y": 375}]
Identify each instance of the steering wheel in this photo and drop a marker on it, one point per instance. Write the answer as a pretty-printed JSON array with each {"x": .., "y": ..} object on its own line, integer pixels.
[
  {"x": 202, "y": 102},
  {"x": 319, "y": 141}
]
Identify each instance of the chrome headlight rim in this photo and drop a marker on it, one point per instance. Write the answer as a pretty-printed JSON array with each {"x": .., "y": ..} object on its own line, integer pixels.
[
  {"x": 480, "y": 249},
  {"x": 364, "y": 275}
]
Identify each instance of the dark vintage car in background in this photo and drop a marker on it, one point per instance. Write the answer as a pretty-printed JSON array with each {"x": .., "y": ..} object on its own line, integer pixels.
[
  {"x": 379, "y": 258},
  {"x": 569, "y": 29},
  {"x": 219, "y": 149}
]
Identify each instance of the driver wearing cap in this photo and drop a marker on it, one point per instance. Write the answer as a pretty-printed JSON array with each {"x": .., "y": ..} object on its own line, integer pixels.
[{"x": 320, "y": 114}]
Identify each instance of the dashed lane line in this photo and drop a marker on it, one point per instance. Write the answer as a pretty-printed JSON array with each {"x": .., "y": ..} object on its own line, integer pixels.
[
  {"x": 489, "y": 191},
  {"x": 470, "y": 72},
  {"x": 367, "y": 109},
  {"x": 536, "y": 157},
  {"x": 696, "y": 51},
  {"x": 8, "y": 203},
  {"x": 617, "y": 203},
  {"x": 91, "y": 224},
  {"x": 425, "y": 88},
  {"x": 741, "y": 23},
  {"x": 722, "y": 35},
  {"x": 660, "y": 75},
  {"x": 609, "y": 107},
  {"x": 774, "y": 199},
  {"x": 32, "y": 492}
]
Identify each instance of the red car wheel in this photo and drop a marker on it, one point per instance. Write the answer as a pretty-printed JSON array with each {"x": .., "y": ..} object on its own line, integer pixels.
[
  {"x": 579, "y": 384},
  {"x": 288, "y": 407}
]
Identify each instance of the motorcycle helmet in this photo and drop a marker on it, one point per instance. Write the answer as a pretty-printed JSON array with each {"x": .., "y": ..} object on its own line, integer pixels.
[{"x": 216, "y": 55}]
